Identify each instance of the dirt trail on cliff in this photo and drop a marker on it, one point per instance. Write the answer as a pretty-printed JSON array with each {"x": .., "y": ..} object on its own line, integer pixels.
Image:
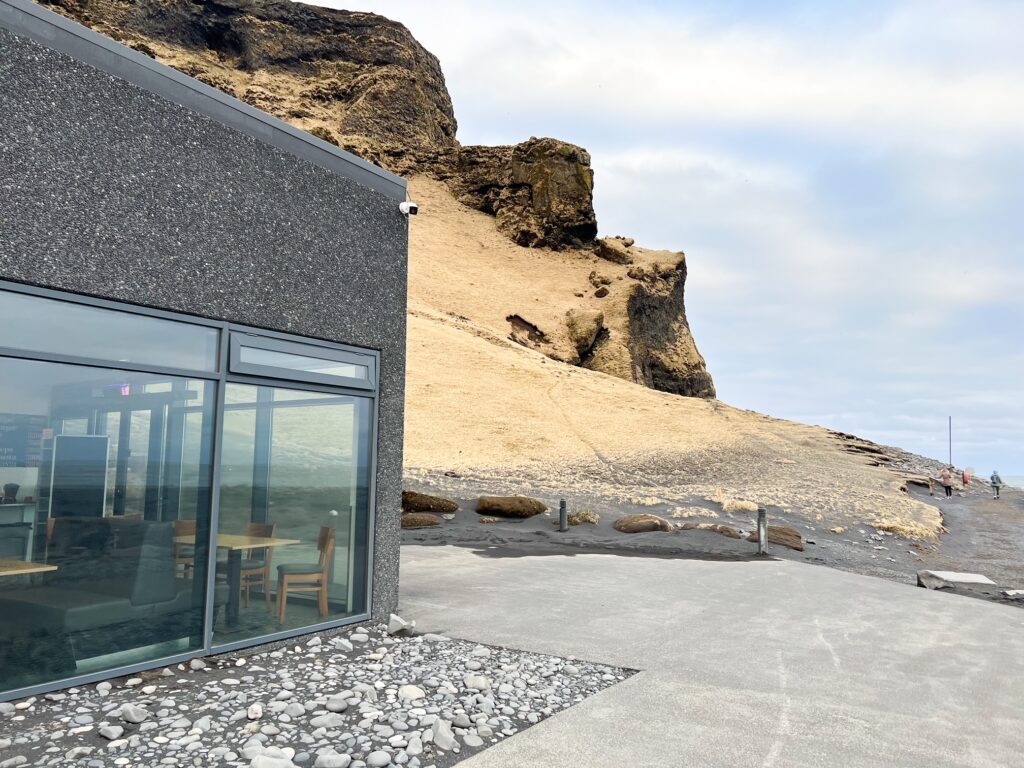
[{"x": 503, "y": 417}]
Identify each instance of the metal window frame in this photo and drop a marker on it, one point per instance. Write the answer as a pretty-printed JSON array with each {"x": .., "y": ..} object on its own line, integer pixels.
[
  {"x": 221, "y": 377},
  {"x": 241, "y": 340}
]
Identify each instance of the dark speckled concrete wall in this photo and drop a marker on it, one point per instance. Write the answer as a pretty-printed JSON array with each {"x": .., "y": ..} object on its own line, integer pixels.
[{"x": 108, "y": 190}]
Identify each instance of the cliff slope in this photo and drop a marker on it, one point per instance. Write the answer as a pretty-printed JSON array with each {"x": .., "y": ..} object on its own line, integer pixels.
[
  {"x": 526, "y": 334},
  {"x": 362, "y": 82}
]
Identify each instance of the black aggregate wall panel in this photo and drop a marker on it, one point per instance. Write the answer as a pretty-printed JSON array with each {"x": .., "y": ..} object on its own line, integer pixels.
[{"x": 108, "y": 190}]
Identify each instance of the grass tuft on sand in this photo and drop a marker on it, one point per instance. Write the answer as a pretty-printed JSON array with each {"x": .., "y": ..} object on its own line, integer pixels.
[
  {"x": 733, "y": 506},
  {"x": 582, "y": 517}
]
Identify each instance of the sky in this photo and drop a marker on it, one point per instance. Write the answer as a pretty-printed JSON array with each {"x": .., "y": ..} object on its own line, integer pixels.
[{"x": 846, "y": 179}]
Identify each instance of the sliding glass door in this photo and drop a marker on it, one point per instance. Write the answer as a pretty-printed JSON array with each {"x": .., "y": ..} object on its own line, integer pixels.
[{"x": 294, "y": 509}]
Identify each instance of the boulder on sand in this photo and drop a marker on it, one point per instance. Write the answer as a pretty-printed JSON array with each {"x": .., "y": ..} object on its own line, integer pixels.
[
  {"x": 782, "y": 535},
  {"x": 615, "y": 249},
  {"x": 412, "y": 501},
  {"x": 641, "y": 524},
  {"x": 419, "y": 520},
  {"x": 510, "y": 506}
]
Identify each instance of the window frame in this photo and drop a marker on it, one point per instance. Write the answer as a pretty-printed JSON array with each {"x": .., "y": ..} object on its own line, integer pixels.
[
  {"x": 270, "y": 339},
  {"x": 240, "y": 339}
]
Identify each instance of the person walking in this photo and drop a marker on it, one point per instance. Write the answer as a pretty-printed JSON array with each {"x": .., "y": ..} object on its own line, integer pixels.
[
  {"x": 946, "y": 480},
  {"x": 997, "y": 483}
]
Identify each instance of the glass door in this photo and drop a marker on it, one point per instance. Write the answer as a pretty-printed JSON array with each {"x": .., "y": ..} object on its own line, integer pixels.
[{"x": 294, "y": 509}]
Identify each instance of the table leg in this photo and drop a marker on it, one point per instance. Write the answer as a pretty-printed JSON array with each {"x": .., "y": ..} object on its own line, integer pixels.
[{"x": 234, "y": 585}]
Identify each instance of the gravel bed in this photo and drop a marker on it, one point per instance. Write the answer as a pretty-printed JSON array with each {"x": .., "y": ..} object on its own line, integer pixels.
[{"x": 361, "y": 698}]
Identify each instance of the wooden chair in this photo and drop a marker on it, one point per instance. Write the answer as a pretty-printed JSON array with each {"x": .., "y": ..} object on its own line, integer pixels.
[
  {"x": 256, "y": 567},
  {"x": 184, "y": 554},
  {"x": 312, "y": 577}
]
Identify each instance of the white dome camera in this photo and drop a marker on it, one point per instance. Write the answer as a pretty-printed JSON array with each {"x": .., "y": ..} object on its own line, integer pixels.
[{"x": 409, "y": 208}]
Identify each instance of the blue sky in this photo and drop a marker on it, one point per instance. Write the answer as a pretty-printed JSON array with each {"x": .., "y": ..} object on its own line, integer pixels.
[{"x": 847, "y": 181}]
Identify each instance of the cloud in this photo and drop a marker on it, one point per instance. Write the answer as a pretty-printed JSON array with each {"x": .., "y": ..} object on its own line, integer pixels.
[{"x": 686, "y": 64}]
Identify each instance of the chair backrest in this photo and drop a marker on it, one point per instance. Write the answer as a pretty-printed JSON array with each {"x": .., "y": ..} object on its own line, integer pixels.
[
  {"x": 184, "y": 528},
  {"x": 325, "y": 543},
  {"x": 261, "y": 530}
]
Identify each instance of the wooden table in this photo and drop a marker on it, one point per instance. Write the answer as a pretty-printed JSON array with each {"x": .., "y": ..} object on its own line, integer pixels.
[
  {"x": 236, "y": 544},
  {"x": 20, "y": 567}
]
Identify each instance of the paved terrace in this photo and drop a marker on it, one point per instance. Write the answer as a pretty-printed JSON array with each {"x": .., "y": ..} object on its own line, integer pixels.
[{"x": 765, "y": 663}]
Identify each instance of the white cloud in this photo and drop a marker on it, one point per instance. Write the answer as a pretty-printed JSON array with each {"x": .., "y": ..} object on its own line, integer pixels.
[{"x": 604, "y": 62}]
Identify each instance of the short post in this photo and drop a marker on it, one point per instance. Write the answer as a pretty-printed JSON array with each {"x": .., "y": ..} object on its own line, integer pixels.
[
  {"x": 563, "y": 517},
  {"x": 762, "y": 531}
]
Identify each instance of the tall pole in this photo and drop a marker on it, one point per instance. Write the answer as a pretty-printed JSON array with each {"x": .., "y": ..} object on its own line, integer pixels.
[{"x": 951, "y": 441}]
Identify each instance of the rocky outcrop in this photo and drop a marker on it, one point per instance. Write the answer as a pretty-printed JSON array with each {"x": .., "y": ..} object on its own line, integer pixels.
[
  {"x": 661, "y": 345},
  {"x": 584, "y": 327},
  {"x": 362, "y": 82},
  {"x": 630, "y": 323},
  {"x": 358, "y": 80},
  {"x": 540, "y": 192},
  {"x": 615, "y": 249}
]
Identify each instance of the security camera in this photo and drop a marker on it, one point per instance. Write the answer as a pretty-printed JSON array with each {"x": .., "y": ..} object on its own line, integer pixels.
[{"x": 409, "y": 208}]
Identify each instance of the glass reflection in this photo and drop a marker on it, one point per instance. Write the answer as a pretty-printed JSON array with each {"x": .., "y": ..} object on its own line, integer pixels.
[
  {"x": 292, "y": 535},
  {"x": 102, "y": 534}
]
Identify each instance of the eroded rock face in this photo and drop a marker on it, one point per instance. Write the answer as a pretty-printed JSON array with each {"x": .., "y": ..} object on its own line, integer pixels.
[
  {"x": 540, "y": 191},
  {"x": 358, "y": 80},
  {"x": 662, "y": 348},
  {"x": 584, "y": 326}
]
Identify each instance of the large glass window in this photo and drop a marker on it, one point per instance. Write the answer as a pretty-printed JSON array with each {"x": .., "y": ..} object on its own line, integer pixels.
[
  {"x": 294, "y": 509},
  {"x": 108, "y": 425},
  {"x": 36, "y": 324},
  {"x": 106, "y": 478}
]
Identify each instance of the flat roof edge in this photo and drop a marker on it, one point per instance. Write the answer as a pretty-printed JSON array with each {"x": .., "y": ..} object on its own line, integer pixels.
[{"x": 27, "y": 19}]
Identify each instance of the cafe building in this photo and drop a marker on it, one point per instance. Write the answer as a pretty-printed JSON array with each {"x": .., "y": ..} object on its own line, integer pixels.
[{"x": 202, "y": 358}]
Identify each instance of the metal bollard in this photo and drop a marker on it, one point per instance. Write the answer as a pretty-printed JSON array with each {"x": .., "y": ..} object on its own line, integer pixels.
[
  {"x": 762, "y": 531},
  {"x": 563, "y": 517}
]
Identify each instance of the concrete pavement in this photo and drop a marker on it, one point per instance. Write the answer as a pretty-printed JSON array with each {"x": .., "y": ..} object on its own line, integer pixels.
[{"x": 770, "y": 663}]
